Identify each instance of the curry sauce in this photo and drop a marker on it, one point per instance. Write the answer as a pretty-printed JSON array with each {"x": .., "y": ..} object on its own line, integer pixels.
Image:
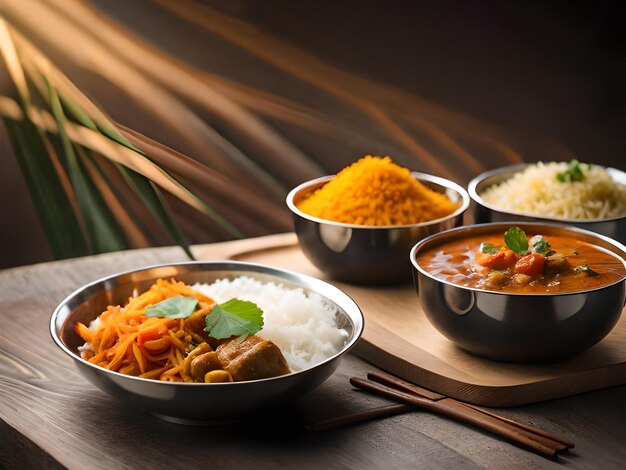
[{"x": 486, "y": 262}]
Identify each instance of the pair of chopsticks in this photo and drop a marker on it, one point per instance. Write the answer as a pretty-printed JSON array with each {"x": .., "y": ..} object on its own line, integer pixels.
[{"x": 412, "y": 396}]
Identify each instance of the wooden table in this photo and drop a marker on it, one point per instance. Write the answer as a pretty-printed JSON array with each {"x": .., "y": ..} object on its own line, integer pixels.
[{"x": 51, "y": 417}]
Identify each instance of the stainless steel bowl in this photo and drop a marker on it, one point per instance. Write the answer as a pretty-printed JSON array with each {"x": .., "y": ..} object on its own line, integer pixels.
[
  {"x": 366, "y": 254},
  {"x": 197, "y": 403},
  {"x": 519, "y": 327},
  {"x": 484, "y": 212}
]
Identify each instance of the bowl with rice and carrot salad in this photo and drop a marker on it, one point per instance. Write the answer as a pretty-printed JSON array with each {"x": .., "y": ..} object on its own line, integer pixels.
[
  {"x": 206, "y": 342},
  {"x": 359, "y": 226}
]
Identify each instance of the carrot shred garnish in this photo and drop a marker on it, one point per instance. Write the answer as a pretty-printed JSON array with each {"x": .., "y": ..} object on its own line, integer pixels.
[{"x": 118, "y": 341}]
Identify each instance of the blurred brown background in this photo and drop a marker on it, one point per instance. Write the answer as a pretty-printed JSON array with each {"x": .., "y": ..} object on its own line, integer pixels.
[{"x": 447, "y": 87}]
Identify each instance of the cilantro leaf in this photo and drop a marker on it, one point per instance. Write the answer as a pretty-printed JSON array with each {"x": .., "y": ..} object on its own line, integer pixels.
[
  {"x": 489, "y": 248},
  {"x": 541, "y": 245},
  {"x": 574, "y": 172},
  {"x": 586, "y": 269},
  {"x": 515, "y": 239},
  {"x": 174, "y": 307},
  {"x": 234, "y": 318}
]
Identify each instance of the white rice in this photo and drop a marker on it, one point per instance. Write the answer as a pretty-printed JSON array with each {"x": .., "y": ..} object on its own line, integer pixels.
[
  {"x": 537, "y": 191},
  {"x": 301, "y": 324}
]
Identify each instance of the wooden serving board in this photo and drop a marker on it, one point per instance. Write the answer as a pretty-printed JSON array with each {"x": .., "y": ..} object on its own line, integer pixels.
[{"x": 399, "y": 339}]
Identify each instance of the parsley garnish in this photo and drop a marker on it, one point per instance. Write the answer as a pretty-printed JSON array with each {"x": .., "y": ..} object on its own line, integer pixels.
[
  {"x": 574, "y": 172},
  {"x": 489, "y": 248},
  {"x": 234, "y": 318},
  {"x": 541, "y": 246},
  {"x": 515, "y": 239},
  {"x": 174, "y": 307},
  {"x": 575, "y": 252},
  {"x": 586, "y": 269}
]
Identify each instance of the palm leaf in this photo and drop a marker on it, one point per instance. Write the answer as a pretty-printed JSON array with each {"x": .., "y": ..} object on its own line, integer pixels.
[
  {"x": 116, "y": 201},
  {"x": 104, "y": 232},
  {"x": 138, "y": 171},
  {"x": 153, "y": 199},
  {"x": 58, "y": 221},
  {"x": 143, "y": 187},
  {"x": 148, "y": 193}
]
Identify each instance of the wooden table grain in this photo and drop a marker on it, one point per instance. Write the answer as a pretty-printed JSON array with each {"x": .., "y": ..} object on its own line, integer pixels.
[{"x": 50, "y": 417}]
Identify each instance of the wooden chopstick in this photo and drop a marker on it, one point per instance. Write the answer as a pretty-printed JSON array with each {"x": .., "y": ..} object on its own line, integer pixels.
[
  {"x": 566, "y": 444},
  {"x": 464, "y": 414},
  {"x": 401, "y": 384},
  {"x": 557, "y": 446},
  {"x": 358, "y": 417}
]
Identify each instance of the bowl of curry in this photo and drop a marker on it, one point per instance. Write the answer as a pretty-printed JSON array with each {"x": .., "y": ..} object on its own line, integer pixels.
[{"x": 521, "y": 292}]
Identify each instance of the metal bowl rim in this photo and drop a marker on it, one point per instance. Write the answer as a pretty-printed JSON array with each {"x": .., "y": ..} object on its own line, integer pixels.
[
  {"x": 493, "y": 225},
  {"x": 358, "y": 322},
  {"x": 473, "y": 193},
  {"x": 419, "y": 176}
]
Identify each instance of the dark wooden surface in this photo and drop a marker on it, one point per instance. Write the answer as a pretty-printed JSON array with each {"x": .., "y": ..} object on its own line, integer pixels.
[{"x": 51, "y": 417}]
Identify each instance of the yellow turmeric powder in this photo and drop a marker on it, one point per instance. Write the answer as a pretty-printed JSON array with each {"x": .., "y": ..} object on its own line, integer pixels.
[{"x": 376, "y": 191}]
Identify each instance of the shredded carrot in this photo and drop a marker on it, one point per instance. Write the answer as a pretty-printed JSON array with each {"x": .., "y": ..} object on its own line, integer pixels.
[{"x": 119, "y": 340}]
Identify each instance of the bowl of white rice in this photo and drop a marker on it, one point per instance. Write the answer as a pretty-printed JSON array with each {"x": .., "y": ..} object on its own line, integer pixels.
[
  {"x": 584, "y": 195},
  {"x": 312, "y": 322}
]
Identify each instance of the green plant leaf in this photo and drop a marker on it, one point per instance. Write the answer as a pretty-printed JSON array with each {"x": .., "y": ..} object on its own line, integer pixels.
[
  {"x": 541, "y": 246},
  {"x": 121, "y": 196},
  {"x": 179, "y": 306},
  {"x": 55, "y": 212},
  {"x": 154, "y": 201},
  {"x": 489, "y": 248},
  {"x": 515, "y": 239},
  {"x": 234, "y": 318},
  {"x": 112, "y": 133},
  {"x": 573, "y": 173},
  {"x": 142, "y": 186},
  {"x": 104, "y": 232},
  {"x": 77, "y": 113},
  {"x": 587, "y": 270},
  {"x": 149, "y": 193}
]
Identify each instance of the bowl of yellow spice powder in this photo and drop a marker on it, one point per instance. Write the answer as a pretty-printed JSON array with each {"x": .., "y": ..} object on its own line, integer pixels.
[{"x": 359, "y": 226}]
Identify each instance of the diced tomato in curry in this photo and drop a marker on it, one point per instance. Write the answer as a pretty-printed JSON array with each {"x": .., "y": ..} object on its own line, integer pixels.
[
  {"x": 502, "y": 259},
  {"x": 531, "y": 265}
]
